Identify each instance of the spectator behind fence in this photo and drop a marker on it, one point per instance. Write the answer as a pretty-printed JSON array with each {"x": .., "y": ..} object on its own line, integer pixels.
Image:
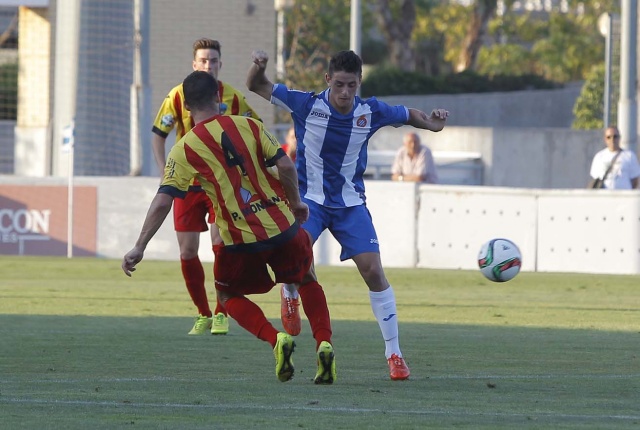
[
  {"x": 414, "y": 162},
  {"x": 613, "y": 167}
]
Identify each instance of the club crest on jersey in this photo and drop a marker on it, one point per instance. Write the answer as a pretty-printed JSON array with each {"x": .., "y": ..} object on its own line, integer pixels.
[
  {"x": 361, "y": 121},
  {"x": 167, "y": 120}
]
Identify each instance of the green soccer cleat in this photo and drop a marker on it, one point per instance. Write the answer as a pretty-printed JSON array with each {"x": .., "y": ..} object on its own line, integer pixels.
[
  {"x": 202, "y": 325},
  {"x": 220, "y": 324},
  {"x": 282, "y": 353},
  {"x": 326, "y": 373}
]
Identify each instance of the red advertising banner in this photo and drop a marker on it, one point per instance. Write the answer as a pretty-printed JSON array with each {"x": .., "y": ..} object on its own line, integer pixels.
[{"x": 33, "y": 220}]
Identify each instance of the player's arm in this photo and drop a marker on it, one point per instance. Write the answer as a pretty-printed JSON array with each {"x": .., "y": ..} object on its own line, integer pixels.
[
  {"x": 289, "y": 179},
  {"x": 163, "y": 123},
  {"x": 175, "y": 183},
  {"x": 158, "y": 211},
  {"x": 433, "y": 122},
  {"x": 158, "y": 145},
  {"x": 257, "y": 80},
  {"x": 415, "y": 178}
]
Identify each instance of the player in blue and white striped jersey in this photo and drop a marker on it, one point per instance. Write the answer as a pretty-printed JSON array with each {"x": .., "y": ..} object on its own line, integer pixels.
[{"x": 333, "y": 130}]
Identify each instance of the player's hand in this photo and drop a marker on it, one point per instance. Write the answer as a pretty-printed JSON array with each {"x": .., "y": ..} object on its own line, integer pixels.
[
  {"x": 130, "y": 260},
  {"x": 260, "y": 58},
  {"x": 441, "y": 114},
  {"x": 301, "y": 212}
]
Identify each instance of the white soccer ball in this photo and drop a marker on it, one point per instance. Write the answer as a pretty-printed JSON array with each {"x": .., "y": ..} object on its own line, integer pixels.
[{"x": 499, "y": 260}]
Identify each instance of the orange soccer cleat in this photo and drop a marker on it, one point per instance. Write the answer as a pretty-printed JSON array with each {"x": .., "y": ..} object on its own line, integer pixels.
[{"x": 398, "y": 369}]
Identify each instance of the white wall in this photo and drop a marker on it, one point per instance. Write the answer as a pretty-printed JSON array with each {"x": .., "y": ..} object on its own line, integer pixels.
[
  {"x": 455, "y": 221},
  {"x": 531, "y": 108},
  {"x": 583, "y": 231},
  {"x": 431, "y": 226}
]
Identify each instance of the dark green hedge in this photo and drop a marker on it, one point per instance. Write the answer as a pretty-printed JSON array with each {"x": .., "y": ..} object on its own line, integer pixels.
[{"x": 389, "y": 81}]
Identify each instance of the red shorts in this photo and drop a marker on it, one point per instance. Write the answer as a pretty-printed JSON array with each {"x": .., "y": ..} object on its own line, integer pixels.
[
  {"x": 189, "y": 213},
  {"x": 247, "y": 273}
]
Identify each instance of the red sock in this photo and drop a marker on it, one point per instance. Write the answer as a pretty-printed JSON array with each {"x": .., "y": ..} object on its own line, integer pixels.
[
  {"x": 219, "y": 307},
  {"x": 250, "y": 317},
  {"x": 193, "y": 274},
  {"x": 315, "y": 308}
]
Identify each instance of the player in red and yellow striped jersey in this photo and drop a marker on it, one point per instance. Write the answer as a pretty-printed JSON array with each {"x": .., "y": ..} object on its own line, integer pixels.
[
  {"x": 259, "y": 216},
  {"x": 190, "y": 214}
]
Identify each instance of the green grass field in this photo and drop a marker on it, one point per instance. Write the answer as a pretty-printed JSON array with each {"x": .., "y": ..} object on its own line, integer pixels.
[{"x": 83, "y": 346}]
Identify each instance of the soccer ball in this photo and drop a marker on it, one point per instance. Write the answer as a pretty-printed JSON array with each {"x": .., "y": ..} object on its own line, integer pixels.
[{"x": 499, "y": 260}]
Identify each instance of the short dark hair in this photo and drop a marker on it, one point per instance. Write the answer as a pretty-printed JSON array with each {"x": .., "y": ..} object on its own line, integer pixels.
[
  {"x": 199, "y": 89},
  {"x": 345, "y": 61},
  {"x": 205, "y": 43}
]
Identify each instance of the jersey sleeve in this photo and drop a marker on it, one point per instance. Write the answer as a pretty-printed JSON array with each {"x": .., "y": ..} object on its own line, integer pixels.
[
  {"x": 166, "y": 117},
  {"x": 271, "y": 148},
  {"x": 178, "y": 173},
  {"x": 390, "y": 115},
  {"x": 291, "y": 100}
]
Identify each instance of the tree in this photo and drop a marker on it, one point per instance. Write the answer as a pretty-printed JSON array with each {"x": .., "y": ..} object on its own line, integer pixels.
[
  {"x": 570, "y": 49},
  {"x": 482, "y": 11},
  {"x": 438, "y": 36},
  {"x": 396, "y": 22},
  {"x": 589, "y": 108},
  {"x": 315, "y": 30},
  {"x": 562, "y": 44}
]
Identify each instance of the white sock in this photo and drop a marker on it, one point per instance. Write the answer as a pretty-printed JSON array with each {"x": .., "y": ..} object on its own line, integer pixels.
[
  {"x": 383, "y": 304},
  {"x": 290, "y": 291}
]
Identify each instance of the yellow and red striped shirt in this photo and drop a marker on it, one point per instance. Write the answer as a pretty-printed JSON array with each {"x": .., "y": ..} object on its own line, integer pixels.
[
  {"x": 173, "y": 113},
  {"x": 230, "y": 156}
]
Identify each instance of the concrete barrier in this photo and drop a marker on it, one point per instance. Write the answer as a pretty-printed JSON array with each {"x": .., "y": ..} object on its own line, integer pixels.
[{"x": 430, "y": 226}]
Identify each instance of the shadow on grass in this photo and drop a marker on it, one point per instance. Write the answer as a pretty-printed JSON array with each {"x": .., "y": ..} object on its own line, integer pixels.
[{"x": 108, "y": 372}]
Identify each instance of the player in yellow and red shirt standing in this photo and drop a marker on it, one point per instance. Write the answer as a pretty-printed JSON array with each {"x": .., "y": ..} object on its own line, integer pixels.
[
  {"x": 189, "y": 215},
  {"x": 258, "y": 214}
]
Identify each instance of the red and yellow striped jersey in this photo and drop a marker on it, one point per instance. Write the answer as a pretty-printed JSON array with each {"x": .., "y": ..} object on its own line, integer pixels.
[
  {"x": 172, "y": 113},
  {"x": 229, "y": 156}
]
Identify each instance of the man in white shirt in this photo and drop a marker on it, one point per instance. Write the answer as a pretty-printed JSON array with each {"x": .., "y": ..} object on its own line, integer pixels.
[
  {"x": 625, "y": 172},
  {"x": 414, "y": 162}
]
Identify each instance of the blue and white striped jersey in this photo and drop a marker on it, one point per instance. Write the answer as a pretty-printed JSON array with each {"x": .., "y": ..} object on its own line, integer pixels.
[{"x": 332, "y": 148}]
